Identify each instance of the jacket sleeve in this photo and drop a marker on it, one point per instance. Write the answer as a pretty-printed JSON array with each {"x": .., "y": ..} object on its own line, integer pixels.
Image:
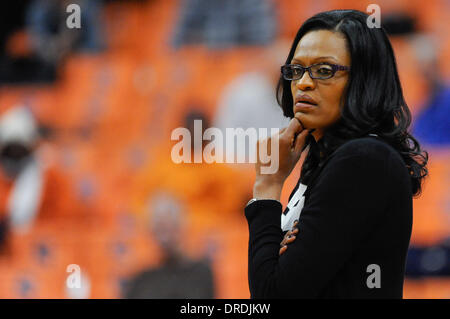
[{"x": 345, "y": 205}]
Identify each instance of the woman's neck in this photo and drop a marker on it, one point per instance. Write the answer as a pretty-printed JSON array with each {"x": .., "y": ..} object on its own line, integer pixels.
[{"x": 317, "y": 134}]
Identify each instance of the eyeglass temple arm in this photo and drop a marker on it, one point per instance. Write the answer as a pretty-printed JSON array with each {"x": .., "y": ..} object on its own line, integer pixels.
[{"x": 341, "y": 67}]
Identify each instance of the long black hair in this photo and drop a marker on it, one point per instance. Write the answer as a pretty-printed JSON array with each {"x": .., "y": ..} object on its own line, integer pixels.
[{"x": 373, "y": 101}]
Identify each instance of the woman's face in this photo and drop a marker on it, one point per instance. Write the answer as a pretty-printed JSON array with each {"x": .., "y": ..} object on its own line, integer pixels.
[{"x": 316, "y": 47}]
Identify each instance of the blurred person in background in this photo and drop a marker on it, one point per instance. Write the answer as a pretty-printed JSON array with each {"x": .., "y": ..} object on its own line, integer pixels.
[
  {"x": 52, "y": 39},
  {"x": 428, "y": 126},
  {"x": 18, "y": 62},
  {"x": 33, "y": 188},
  {"x": 223, "y": 24},
  {"x": 249, "y": 100},
  {"x": 178, "y": 276},
  {"x": 432, "y": 124},
  {"x": 20, "y": 167},
  {"x": 36, "y": 38}
]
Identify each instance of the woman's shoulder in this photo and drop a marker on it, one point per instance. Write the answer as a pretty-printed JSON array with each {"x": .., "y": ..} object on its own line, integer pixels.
[
  {"x": 368, "y": 148},
  {"x": 372, "y": 152},
  {"x": 366, "y": 158}
]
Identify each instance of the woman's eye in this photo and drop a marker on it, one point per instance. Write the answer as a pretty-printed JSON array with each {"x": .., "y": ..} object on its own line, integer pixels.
[{"x": 324, "y": 71}]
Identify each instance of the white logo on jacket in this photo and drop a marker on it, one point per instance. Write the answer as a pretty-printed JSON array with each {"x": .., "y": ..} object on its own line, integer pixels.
[{"x": 293, "y": 208}]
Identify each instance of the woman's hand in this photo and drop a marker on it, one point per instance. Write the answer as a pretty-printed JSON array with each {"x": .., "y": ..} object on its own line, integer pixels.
[
  {"x": 291, "y": 142},
  {"x": 288, "y": 238}
]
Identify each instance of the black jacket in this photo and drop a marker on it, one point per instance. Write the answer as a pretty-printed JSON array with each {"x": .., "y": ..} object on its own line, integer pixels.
[{"x": 357, "y": 216}]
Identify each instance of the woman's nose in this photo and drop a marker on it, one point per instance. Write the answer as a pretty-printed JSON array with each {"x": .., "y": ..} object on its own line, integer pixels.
[{"x": 305, "y": 82}]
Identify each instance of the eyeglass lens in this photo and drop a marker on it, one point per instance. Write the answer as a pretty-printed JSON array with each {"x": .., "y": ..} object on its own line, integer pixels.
[{"x": 319, "y": 71}]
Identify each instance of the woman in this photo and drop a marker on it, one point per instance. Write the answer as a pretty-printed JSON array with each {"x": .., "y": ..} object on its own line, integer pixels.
[{"x": 353, "y": 202}]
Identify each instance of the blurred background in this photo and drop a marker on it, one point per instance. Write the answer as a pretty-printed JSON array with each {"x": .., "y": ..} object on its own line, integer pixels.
[{"x": 86, "y": 116}]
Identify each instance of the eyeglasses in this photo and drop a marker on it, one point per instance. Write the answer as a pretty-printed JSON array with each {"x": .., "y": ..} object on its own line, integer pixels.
[{"x": 316, "y": 71}]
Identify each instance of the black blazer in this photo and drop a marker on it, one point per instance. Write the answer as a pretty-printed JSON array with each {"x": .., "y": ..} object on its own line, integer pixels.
[{"x": 354, "y": 228}]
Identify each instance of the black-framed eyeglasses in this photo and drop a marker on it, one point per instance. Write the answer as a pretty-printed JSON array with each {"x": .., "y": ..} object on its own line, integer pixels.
[{"x": 316, "y": 71}]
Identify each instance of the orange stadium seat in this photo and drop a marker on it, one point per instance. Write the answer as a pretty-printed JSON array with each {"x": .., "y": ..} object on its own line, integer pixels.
[
  {"x": 427, "y": 288},
  {"x": 214, "y": 190},
  {"x": 230, "y": 262},
  {"x": 81, "y": 80}
]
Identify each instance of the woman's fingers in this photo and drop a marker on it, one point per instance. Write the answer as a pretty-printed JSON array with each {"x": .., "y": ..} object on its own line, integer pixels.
[
  {"x": 295, "y": 134},
  {"x": 282, "y": 130},
  {"x": 283, "y": 242},
  {"x": 292, "y": 129},
  {"x": 284, "y": 246},
  {"x": 289, "y": 238},
  {"x": 288, "y": 235}
]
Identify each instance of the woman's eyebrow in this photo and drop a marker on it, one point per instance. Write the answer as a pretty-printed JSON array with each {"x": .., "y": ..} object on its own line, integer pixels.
[{"x": 315, "y": 59}]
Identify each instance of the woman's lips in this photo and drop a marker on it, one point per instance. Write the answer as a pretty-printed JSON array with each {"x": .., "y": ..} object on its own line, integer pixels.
[{"x": 300, "y": 106}]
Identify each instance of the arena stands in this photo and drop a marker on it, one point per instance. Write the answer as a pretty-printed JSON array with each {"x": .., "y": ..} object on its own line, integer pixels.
[{"x": 106, "y": 123}]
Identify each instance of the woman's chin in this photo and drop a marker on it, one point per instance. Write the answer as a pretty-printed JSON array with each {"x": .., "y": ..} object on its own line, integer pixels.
[{"x": 305, "y": 119}]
